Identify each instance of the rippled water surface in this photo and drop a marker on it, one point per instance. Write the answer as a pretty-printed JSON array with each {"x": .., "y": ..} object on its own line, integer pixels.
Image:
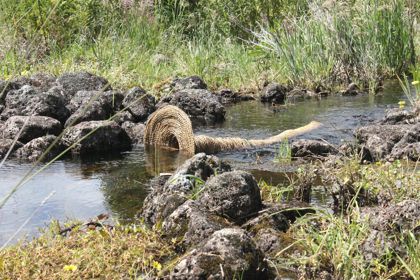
[{"x": 118, "y": 184}]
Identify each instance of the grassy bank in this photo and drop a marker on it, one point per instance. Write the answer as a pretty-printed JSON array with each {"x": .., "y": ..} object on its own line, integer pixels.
[
  {"x": 121, "y": 252},
  {"x": 238, "y": 45},
  {"x": 317, "y": 244},
  {"x": 347, "y": 244}
]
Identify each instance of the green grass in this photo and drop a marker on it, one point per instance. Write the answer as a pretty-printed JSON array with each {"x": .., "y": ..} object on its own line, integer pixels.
[
  {"x": 284, "y": 152},
  {"x": 330, "y": 243},
  {"x": 123, "y": 252},
  {"x": 333, "y": 244},
  {"x": 296, "y": 42},
  {"x": 364, "y": 41}
]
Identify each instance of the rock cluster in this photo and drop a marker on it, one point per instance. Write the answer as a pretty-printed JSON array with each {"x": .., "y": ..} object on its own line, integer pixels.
[
  {"x": 396, "y": 136},
  {"x": 275, "y": 93},
  {"x": 71, "y": 112},
  {"x": 82, "y": 112},
  {"x": 217, "y": 219}
]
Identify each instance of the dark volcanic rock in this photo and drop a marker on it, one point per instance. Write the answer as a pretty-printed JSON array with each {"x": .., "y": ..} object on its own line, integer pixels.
[
  {"x": 228, "y": 96},
  {"x": 29, "y": 101},
  {"x": 51, "y": 104},
  {"x": 163, "y": 200},
  {"x": 17, "y": 100},
  {"x": 93, "y": 106},
  {"x": 74, "y": 82},
  {"x": 377, "y": 141},
  {"x": 394, "y": 218},
  {"x": 351, "y": 90},
  {"x": 312, "y": 148},
  {"x": 193, "y": 82},
  {"x": 5, "y": 87},
  {"x": 267, "y": 229},
  {"x": 35, "y": 127},
  {"x": 41, "y": 81},
  {"x": 135, "y": 131},
  {"x": 107, "y": 136},
  {"x": 139, "y": 103},
  {"x": 5, "y": 145},
  {"x": 203, "y": 166},
  {"x": 235, "y": 195},
  {"x": 229, "y": 253},
  {"x": 199, "y": 104},
  {"x": 299, "y": 94},
  {"x": 409, "y": 145},
  {"x": 190, "y": 224},
  {"x": 33, "y": 150},
  {"x": 386, "y": 222},
  {"x": 398, "y": 116},
  {"x": 274, "y": 93},
  {"x": 122, "y": 117}
]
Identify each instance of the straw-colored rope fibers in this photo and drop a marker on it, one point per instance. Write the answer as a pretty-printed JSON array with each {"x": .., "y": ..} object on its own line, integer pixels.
[{"x": 171, "y": 127}]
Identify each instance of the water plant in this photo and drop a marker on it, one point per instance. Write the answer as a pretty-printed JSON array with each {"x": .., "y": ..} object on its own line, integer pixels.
[
  {"x": 284, "y": 152},
  {"x": 411, "y": 90}
]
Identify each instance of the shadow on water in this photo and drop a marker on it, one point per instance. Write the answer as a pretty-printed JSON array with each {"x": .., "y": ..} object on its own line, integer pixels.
[{"x": 118, "y": 184}]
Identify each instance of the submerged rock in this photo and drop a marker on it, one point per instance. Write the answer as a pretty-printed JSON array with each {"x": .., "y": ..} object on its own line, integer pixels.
[
  {"x": 351, "y": 90},
  {"x": 199, "y": 104},
  {"x": 234, "y": 195},
  {"x": 104, "y": 136},
  {"x": 36, "y": 126},
  {"x": 190, "y": 224},
  {"x": 299, "y": 94},
  {"x": 227, "y": 254},
  {"x": 33, "y": 150},
  {"x": 312, "y": 148},
  {"x": 139, "y": 103},
  {"x": 193, "y": 82},
  {"x": 228, "y": 96},
  {"x": 74, "y": 82},
  {"x": 273, "y": 93}
]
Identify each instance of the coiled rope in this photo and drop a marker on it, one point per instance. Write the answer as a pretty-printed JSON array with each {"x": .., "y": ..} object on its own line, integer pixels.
[{"x": 171, "y": 127}]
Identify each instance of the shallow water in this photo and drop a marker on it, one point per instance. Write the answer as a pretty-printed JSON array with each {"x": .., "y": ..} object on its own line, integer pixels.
[{"x": 118, "y": 184}]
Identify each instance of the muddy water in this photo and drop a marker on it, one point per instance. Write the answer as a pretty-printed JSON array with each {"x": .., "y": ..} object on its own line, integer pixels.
[{"x": 117, "y": 185}]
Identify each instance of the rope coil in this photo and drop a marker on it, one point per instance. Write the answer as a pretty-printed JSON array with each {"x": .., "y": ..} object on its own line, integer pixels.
[{"x": 171, "y": 127}]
